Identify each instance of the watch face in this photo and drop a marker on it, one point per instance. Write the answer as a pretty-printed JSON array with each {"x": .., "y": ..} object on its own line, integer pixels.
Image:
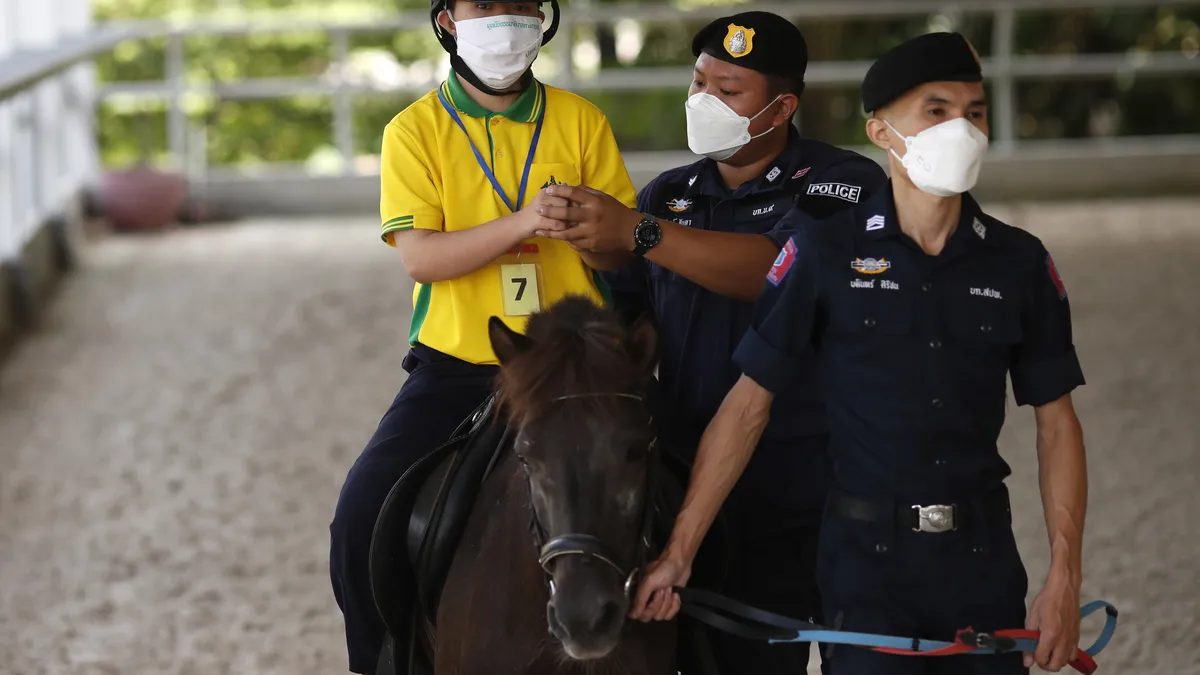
[{"x": 648, "y": 233}]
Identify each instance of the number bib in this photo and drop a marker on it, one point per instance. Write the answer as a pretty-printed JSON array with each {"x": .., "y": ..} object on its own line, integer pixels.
[{"x": 519, "y": 286}]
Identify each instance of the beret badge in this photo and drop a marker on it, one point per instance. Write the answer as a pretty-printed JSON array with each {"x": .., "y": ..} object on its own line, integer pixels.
[{"x": 740, "y": 41}]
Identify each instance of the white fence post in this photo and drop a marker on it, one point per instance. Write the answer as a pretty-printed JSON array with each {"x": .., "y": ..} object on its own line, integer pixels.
[{"x": 8, "y": 211}]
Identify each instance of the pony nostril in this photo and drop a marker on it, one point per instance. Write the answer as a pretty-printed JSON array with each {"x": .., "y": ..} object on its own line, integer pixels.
[{"x": 552, "y": 622}]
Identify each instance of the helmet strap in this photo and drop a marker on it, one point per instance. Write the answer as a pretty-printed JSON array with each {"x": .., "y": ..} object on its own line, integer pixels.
[{"x": 463, "y": 70}]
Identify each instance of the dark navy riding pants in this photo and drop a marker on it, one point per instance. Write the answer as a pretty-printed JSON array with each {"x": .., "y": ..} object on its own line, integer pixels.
[
  {"x": 438, "y": 395},
  {"x": 881, "y": 577}
]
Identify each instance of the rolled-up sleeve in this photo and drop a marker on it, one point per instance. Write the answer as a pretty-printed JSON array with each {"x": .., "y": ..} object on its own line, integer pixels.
[
  {"x": 1046, "y": 366},
  {"x": 784, "y": 316}
]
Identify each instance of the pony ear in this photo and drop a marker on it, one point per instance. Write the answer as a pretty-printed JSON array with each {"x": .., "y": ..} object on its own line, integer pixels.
[
  {"x": 506, "y": 342},
  {"x": 642, "y": 343}
]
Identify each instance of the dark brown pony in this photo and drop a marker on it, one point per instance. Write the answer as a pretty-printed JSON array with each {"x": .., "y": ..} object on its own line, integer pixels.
[{"x": 542, "y": 577}]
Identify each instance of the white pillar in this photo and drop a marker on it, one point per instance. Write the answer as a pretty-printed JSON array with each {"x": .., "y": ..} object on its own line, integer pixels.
[
  {"x": 27, "y": 32},
  {"x": 8, "y": 211},
  {"x": 82, "y": 139}
]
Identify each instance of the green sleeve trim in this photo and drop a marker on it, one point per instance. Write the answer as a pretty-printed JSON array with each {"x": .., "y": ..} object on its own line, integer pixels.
[
  {"x": 384, "y": 236},
  {"x": 402, "y": 220},
  {"x": 396, "y": 225}
]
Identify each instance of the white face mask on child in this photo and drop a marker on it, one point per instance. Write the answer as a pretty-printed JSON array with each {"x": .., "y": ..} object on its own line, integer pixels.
[{"x": 498, "y": 49}]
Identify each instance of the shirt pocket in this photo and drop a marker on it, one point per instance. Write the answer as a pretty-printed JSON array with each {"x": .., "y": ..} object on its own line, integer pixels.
[
  {"x": 981, "y": 336},
  {"x": 985, "y": 325},
  {"x": 870, "y": 311},
  {"x": 542, "y": 175}
]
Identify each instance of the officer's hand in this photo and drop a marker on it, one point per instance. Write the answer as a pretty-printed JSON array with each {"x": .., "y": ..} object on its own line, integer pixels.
[
  {"x": 1055, "y": 612},
  {"x": 531, "y": 223},
  {"x": 656, "y": 601},
  {"x": 596, "y": 221}
]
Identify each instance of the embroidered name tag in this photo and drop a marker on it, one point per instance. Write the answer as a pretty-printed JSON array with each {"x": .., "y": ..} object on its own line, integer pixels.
[{"x": 986, "y": 292}]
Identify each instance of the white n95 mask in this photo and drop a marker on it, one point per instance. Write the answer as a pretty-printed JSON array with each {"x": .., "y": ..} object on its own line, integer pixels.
[
  {"x": 715, "y": 130},
  {"x": 498, "y": 49},
  {"x": 944, "y": 160}
]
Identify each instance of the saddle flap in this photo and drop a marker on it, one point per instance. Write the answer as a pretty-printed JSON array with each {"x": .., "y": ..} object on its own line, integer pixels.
[
  {"x": 449, "y": 502},
  {"x": 391, "y": 582}
]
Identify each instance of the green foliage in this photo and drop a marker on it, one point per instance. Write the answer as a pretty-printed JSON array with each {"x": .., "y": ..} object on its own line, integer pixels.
[{"x": 292, "y": 130}]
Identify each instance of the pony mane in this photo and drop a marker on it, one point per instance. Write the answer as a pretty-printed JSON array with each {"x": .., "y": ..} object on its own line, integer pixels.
[{"x": 578, "y": 348}]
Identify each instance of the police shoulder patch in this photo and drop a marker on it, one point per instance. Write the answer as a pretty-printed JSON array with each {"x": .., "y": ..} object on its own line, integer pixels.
[
  {"x": 783, "y": 262},
  {"x": 850, "y": 193},
  {"x": 1053, "y": 271}
]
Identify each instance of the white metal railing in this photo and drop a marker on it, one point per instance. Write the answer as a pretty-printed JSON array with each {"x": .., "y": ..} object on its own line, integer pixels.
[
  {"x": 47, "y": 88},
  {"x": 1003, "y": 68},
  {"x": 47, "y": 145}
]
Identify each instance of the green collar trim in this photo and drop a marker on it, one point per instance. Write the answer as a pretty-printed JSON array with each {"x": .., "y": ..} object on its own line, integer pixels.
[{"x": 525, "y": 109}]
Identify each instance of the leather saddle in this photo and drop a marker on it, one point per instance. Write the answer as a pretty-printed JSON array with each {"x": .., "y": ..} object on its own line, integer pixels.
[{"x": 418, "y": 530}]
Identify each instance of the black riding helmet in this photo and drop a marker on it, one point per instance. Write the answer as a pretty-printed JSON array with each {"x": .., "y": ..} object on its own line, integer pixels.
[{"x": 451, "y": 46}]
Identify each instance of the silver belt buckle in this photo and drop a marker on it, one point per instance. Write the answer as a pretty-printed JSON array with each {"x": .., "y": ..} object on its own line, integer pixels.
[{"x": 936, "y": 518}]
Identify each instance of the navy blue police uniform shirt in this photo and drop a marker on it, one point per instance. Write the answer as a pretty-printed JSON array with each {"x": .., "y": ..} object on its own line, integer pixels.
[
  {"x": 700, "y": 329},
  {"x": 915, "y": 349}
]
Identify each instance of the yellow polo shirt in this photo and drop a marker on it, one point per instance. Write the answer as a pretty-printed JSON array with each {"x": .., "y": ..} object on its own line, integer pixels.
[{"x": 431, "y": 180}]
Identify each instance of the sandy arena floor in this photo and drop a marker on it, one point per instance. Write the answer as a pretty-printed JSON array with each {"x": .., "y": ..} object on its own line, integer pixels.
[{"x": 172, "y": 443}]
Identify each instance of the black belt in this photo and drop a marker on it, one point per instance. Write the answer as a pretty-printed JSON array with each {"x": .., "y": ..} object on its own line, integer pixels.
[{"x": 922, "y": 517}]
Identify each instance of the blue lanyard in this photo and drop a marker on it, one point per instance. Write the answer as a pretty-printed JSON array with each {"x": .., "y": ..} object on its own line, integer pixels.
[{"x": 487, "y": 171}]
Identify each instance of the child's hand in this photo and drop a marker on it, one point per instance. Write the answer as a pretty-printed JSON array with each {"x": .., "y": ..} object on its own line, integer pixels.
[{"x": 531, "y": 222}]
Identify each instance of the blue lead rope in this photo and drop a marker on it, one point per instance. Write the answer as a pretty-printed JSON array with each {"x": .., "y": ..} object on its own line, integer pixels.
[
  {"x": 918, "y": 645},
  {"x": 749, "y": 622}
]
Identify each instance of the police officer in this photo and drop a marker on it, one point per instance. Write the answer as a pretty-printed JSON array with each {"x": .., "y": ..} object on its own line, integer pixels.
[
  {"x": 706, "y": 235},
  {"x": 463, "y": 173},
  {"x": 920, "y": 305}
]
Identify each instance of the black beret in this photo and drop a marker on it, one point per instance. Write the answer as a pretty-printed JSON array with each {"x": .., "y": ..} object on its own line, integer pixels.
[
  {"x": 760, "y": 41},
  {"x": 933, "y": 57}
]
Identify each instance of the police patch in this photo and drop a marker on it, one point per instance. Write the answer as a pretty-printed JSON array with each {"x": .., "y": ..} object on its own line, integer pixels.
[
  {"x": 870, "y": 265},
  {"x": 783, "y": 262},
  {"x": 1058, "y": 284},
  {"x": 850, "y": 193},
  {"x": 679, "y": 205}
]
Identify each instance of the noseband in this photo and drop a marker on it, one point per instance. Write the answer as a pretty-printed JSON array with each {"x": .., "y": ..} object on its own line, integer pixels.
[{"x": 590, "y": 546}]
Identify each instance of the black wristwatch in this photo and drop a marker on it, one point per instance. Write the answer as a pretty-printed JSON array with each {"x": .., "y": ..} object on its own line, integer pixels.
[{"x": 646, "y": 235}]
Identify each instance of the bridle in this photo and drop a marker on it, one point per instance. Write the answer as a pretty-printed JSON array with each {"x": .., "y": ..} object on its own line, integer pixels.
[{"x": 591, "y": 546}]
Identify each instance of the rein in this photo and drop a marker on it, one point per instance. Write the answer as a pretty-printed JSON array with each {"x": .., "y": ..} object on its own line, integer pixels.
[{"x": 591, "y": 546}]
